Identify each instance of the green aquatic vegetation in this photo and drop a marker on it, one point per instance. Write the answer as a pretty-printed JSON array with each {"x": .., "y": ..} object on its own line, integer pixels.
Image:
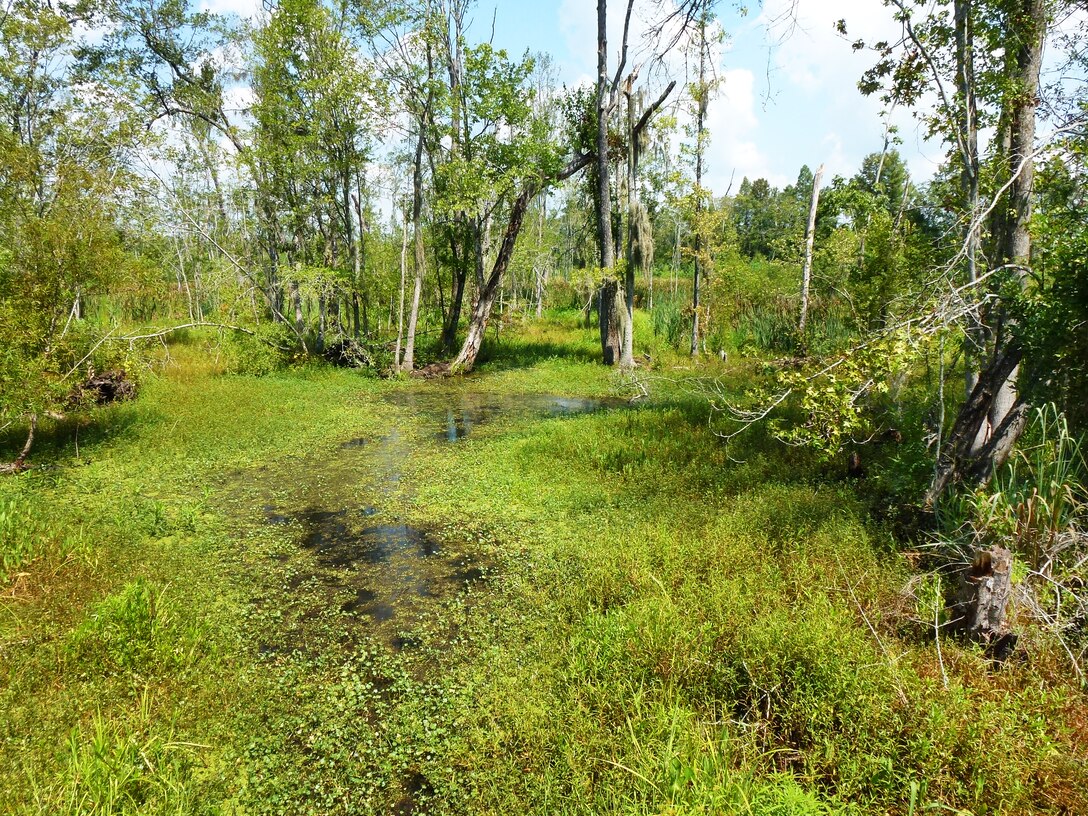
[{"x": 645, "y": 620}]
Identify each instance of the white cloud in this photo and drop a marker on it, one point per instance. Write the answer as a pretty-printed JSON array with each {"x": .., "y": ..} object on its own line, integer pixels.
[{"x": 734, "y": 152}]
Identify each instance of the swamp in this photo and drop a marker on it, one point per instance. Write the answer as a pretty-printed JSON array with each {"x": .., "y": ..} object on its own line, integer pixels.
[{"x": 488, "y": 407}]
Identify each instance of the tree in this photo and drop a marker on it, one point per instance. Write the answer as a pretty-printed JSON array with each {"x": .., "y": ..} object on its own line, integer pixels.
[
  {"x": 988, "y": 87},
  {"x": 810, "y": 235},
  {"x": 63, "y": 178},
  {"x": 700, "y": 92}
]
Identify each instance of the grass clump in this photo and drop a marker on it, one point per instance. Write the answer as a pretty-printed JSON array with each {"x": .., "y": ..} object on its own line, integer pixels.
[
  {"x": 132, "y": 629},
  {"x": 113, "y": 766}
]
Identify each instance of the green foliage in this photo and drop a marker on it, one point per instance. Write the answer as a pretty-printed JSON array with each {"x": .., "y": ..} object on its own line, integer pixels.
[
  {"x": 838, "y": 400},
  {"x": 18, "y": 539},
  {"x": 1035, "y": 497},
  {"x": 126, "y": 767},
  {"x": 1053, "y": 309},
  {"x": 671, "y": 320},
  {"x": 130, "y": 630},
  {"x": 263, "y": 352}
]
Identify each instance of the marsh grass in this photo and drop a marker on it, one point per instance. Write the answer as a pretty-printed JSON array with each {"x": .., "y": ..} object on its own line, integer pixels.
[{"x": 669, "y": 624}]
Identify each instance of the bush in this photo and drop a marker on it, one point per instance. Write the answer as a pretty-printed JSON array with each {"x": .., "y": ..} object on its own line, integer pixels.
[{"x": 265, "y": 351}]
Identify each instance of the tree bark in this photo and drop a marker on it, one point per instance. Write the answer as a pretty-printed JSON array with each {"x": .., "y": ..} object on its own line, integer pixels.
[
  {"x": 420, "y": 262},
  {"x": 607, "y": 313},
  {"x": 810, "y": 235},
  {"x": 403, "y": 275},
  {"x": 457, "y": 295},
  {"x": 419, "y": 258},
  {"x": 699, "y": 149},
  {"x": 962, "y": 458},
  {"x": 995, "y": 414},
  {"x": 485, "y": 299},
  {"x": 985, "y": 597},
  {"x": 969, "y": 174},
  {"x": 460, "y": 134}
]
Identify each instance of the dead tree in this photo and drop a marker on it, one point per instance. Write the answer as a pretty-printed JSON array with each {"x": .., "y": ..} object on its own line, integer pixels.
[{"x": 810, "y": 235}]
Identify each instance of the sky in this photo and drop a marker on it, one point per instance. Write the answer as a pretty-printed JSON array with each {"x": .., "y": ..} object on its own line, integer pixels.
[{"x": 789, "y": 92}]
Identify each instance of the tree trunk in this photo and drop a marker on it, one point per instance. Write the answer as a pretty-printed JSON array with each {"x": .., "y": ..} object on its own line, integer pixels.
[
  {"x": 627, "y": 356},
  {"x": 985, "y": 596},
  {"x": 20, "y": 461},
  {"x": 699, "y": 227},
  {"x": 420, "y": 263},
  {"x": 810, "y": 235},
  {"x": 969, "y": 174},
  {"x": 994, "y": 414},
  {"x": 485, "y": 299},
  {"x": 403, "y": 274},
  {"x": 361, "y": 253},
  {"x": 457, "y": 296},
  {"x": 610, "y": 305},
  {"x": 1015, "y": 246},
  {"x": 296, "y": 303},
  {"x": 607, "y": 311},
  {"x": 460, "y": 134},
  {"x": 963, "y": 459}
]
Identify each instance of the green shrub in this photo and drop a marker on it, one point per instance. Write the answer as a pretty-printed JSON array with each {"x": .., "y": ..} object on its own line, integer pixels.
[
  {"x": 671, "y": 320},
  {"x": 265, "y": 351}
]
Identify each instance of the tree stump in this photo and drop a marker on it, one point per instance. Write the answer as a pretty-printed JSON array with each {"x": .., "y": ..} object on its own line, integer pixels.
[{"x": 984, "y": 600}]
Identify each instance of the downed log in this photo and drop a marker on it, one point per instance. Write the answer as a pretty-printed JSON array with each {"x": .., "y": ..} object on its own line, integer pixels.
[
  {"x": 433, "y": 371},
  {"x": 348, "y": 353},
  {"x": 19, "y": 465},
  {"x": 103, "y": 389}
]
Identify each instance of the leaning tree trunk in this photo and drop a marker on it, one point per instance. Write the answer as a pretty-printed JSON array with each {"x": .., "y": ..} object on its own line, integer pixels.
[
  {"x": 19, "y": 464},
  {"x": 962, "y": 459},
  {"x": 487, "y": 294}
]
